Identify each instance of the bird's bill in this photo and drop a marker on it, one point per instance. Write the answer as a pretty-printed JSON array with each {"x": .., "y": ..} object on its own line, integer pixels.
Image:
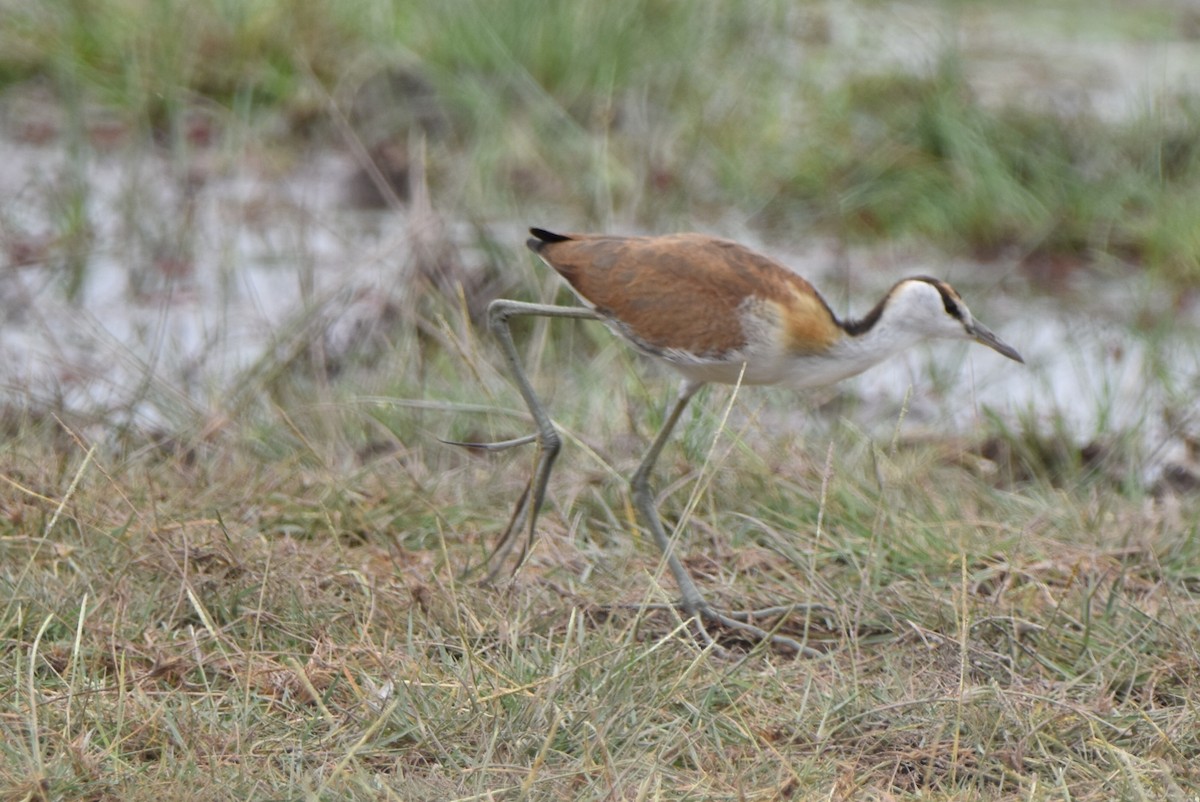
[{"x": 984, "y": 336}]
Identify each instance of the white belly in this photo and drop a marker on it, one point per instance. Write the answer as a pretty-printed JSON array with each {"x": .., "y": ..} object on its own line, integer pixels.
[{"x": 798, "y": 372}]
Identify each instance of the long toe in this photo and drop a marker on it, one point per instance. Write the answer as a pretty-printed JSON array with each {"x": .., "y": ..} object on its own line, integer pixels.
[
  {"x": 751, "y": 632},
  {"x": 502, "y": 445}
]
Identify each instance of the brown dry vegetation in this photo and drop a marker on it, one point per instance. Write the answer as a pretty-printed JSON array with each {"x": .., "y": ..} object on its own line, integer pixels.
[{"x": 205, "y": 618}]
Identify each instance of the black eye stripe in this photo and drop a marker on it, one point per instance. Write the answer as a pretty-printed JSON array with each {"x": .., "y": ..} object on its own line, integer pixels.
[
  {"x": 948, "y": 300},
  {"x": 952, "y": 307}
]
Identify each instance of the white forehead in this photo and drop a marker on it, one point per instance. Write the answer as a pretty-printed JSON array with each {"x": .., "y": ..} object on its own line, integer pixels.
[
  {"x": 920, "y": 303},
  {"x": 916, "y": 293}
]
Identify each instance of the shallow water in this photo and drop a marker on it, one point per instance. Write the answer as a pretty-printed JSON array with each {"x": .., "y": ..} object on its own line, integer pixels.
[{"x": 185, "y": 285}]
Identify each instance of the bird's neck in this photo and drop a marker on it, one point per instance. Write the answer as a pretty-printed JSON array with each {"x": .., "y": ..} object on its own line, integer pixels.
[{"x": 873, "y": 338}]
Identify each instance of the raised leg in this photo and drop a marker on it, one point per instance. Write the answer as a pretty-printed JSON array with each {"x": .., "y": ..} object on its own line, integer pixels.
[
  {"x": 691, "y": 600},
  {"x": 524, "y": 515}
]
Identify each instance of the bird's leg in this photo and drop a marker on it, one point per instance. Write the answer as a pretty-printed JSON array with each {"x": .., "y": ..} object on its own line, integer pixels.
[
  {"x": 643, "y": 498},
  {"x": 692, "y": 602},
  {"x": 524, "y": 515}
]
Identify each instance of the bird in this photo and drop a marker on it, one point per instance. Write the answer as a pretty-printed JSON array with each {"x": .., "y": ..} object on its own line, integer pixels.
[{"x": 718, "y": 312}]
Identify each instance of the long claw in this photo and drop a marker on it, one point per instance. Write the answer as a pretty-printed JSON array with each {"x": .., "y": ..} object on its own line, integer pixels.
[
  {"x": 502, "y": 445},
  {"x": 499, "y": 553},
  {"x": 504, "y": 543},
  {"x": 525, "y": 514}
]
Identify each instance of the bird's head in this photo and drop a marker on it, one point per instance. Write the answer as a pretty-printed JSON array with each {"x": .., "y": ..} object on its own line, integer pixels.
[{"x": 932, "y": 308}]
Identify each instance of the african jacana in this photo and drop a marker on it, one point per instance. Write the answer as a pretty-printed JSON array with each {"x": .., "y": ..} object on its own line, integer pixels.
[{"x": 715, "y": 311}]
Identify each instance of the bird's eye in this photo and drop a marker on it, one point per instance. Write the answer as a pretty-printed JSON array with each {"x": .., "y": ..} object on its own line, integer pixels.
[{"x": 952, "y": 307}]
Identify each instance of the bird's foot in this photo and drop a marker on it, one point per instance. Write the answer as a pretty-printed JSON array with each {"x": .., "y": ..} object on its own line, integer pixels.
[
  {"x": 524, "y": 515},
  {"x": 521, "y": 512},
  {"x": 743, "y": 625}
]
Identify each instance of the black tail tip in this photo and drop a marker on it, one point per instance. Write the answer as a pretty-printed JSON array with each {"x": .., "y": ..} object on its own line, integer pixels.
[{"x": 543, "y": 237}]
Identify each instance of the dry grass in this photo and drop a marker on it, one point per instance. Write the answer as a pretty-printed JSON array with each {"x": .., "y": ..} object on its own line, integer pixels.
[{"x": 219, "y": 619}]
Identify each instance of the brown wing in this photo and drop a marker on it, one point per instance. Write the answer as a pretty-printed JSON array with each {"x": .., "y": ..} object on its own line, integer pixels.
[{"x": 687, "y": 291}]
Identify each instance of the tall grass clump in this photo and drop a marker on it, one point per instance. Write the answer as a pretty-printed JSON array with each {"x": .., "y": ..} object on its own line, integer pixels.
[{"x": 905, "y": 155}]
